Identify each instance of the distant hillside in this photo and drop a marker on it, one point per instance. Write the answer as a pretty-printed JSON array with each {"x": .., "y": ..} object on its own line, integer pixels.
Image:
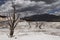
[
  {"x": 43, "y": 17},
  {"x": 3, "y": 16}
]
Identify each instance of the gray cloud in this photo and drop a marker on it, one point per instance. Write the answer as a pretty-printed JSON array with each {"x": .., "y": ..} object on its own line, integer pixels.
[
  {"x": 29, "y": 7},
  {"x": 47, "y": 1}
]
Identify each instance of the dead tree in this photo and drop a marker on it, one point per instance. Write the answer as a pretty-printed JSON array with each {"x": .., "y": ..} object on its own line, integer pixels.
[
  {"x": 29, "y": 24},
  {"x": 39, "y": 24},
  {"x": 13, "y": 20}
]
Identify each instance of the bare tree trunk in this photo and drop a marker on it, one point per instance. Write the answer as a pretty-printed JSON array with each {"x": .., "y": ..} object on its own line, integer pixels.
[
  {"x": 37, "y": 24},
  {"x": 29, "y": 25},
  {"x": 40, "y": 27},
  {"x": 11, "y": 31}
]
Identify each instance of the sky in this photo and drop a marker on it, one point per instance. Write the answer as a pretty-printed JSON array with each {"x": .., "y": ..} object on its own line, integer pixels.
[
  {"x": 47, "y": 1},
  {"x": 32, "y": 7},
  {"x": 2, "y": 2}
]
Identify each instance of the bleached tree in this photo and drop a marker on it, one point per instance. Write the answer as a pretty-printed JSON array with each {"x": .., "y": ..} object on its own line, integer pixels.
[{"x": 13, "y": 20}]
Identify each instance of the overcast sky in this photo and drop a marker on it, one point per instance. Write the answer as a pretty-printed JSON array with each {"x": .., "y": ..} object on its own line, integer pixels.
[{"x": 31, "y": 6}]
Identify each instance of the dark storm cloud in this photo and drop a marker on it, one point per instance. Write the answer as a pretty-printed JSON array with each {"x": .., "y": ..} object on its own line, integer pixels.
[{"x": 47, "y": 1}]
